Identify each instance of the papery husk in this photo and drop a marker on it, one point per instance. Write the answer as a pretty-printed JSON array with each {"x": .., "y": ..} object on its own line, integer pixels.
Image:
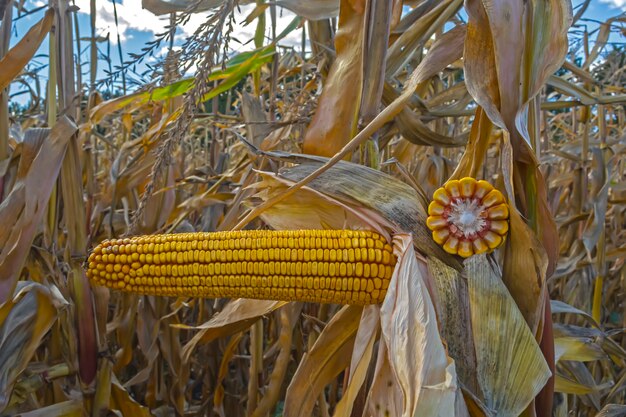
[
  {"x": 511, "y": 367},
  {"x": 453, "y": 313},
  {"x": 310, "y": 209},
  {"x": 414, "y": 375}
]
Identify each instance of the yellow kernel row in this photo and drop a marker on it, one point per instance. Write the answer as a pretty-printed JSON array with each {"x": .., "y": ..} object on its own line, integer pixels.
[
  {"x": 334, "y": 266},
  {"x": 211, "y": 256}
]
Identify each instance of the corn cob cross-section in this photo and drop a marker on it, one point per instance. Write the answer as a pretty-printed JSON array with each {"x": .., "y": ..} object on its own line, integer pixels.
[
  {"x": 325, "y": 266},
  {"x": 468, "y": 217}
]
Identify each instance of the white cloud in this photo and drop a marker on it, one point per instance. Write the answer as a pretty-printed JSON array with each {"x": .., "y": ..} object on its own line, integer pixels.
[
  {"x": 621, "y": 4},
  {"x": 131, "y": 16}
]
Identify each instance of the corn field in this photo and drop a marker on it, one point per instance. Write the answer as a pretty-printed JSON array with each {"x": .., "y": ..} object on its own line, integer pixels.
[{"x": 356, "y": 129}]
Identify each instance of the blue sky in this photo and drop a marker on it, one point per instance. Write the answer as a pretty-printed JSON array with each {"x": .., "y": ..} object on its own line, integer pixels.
[{"x": 137, "y": 26}]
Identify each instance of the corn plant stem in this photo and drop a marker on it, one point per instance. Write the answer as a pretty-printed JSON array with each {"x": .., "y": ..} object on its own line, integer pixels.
[
  {"x": 93, "y": 49},
  {"x": 5, "y": 37},
  {"x": 51, "y": 110},
  {"x": 119, "y": 47},
  {"x": 256, "y": 365},
  {"x": 269, "y": 400}
]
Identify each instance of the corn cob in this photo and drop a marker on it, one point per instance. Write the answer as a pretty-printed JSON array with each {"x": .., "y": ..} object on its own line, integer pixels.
[
  {"x": 468, "y": 217},
  {"x": 324, "y": 266}
]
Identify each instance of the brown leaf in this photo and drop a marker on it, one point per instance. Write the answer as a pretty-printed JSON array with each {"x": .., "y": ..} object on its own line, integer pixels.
[
  {"x": 327, "y": 358},
  {"x": 24, "y": 321},
  {"x": 23, "y": 209},
  {"x": 335, "y": 120},
  {"x": 236, "y": 316},
  {"x": 18, "y": 56},
  {"x": 361, "y": 357}
]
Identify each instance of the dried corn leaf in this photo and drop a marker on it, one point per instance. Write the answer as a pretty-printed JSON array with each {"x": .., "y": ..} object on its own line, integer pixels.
[
  {"x": 18, "y": 56},
  {"x": 577, "y": 349},
  {"x": 511, "y": 367},
  {"x": 236, "y": 316},
  {"x": 71, "y": 408},
  {"x": 328, "y": 357},
  {"x": 568, "y": 386},
  {"x": 23, "y": 209},
  {"x": 24, "y": 321},
  {"x": 612, "y": 410},
  {"x": 312, "y": 9},
  {"x": 122, "y": 400},
  {"x": 335, "y": 120},
  {"x": 366, "y": 336}
]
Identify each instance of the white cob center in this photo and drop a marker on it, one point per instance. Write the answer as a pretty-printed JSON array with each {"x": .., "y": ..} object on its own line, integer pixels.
[{"x": 465, "y": 215}]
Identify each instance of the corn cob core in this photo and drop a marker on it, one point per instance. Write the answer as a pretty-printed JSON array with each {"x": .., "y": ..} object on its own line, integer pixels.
[
  {"x": 324, "y": 266},
  {"x": 468, "y": 217}
]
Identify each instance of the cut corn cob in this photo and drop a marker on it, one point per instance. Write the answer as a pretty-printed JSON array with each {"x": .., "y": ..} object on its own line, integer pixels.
[
  {"x": 325, "y": 266},
  {"x": 468, "y": 217}
]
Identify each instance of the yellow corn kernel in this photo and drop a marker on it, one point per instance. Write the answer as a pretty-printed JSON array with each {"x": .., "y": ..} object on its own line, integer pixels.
[
  {"x": 435, "y": 208},
  {"x": 451, "y": 245},
  {"x": 465, "y": 249},
  {"x": 436, "y": 222},
  {"x": 441, "y": 235},
  {"x": 441, "y": 196},
  {"x": 307, "y": 265},
  {"x": 499, "y": 226},
  {"x": 452, "y": 187},
  {"x": 467, "y": 186},
  {"x": 494, "y": 197},
  {"x": 480, "y": 246},
  {"x": 499, "y": 212},
  {"x": 492, "y": 239}
]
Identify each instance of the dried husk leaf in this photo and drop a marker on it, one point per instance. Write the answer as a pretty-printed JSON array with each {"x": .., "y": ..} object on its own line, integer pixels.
[
  {"x": 511, "y": 367},
  {"x": 308, "y": 209},
  {"x": 453, "y": 314},
  {"x": 420, "y": 366},
  {"x": 361, "y": 186}
]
